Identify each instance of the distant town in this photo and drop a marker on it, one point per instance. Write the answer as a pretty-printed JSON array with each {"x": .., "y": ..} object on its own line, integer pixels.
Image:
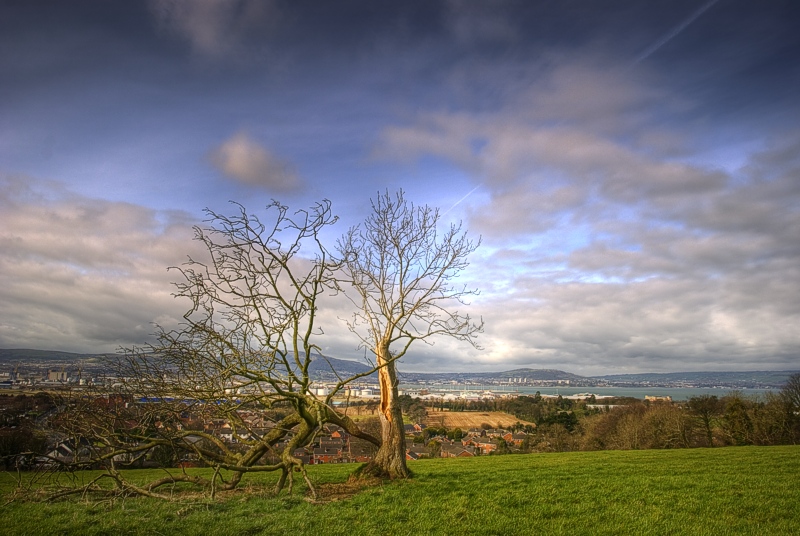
[
  {"x": 24, "y": 369},
  {"x": 449, "y": 415}
]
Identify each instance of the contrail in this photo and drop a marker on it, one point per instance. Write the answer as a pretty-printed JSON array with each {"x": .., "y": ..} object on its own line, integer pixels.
[
  {"x": 460, "y": 200},
  {"x": 675, "y": 31}
]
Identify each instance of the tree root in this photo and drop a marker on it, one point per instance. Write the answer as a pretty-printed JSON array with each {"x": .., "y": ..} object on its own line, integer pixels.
[{"x": 374, "y": 470}]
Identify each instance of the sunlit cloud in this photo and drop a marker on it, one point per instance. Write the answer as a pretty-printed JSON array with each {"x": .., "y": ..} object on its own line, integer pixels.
[{"x": 243, "y": 159}]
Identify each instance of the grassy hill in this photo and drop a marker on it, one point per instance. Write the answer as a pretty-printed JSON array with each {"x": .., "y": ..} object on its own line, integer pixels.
[{"x": 743, "y": 490}]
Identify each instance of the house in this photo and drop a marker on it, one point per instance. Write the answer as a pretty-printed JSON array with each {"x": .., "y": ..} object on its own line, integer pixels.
[
  {"x": 360, "y": 452},
  {"x": 517, "y": 439},
  {"x": 484, "y": 445},
  {"x": 177, "y": 425},
  {"x": 330, "y": 429},
  {"x": 456, "y": 451},
  {"x": 67, "y": 451},
  {"x": 652, "y": 398},
  {"x": 63, "y": 452},
  {"x": 303, "y": 456},
  {"x": 332, "y": 443},
  {"x": 339, "y": 434},
  {"x": 415, "y": 452},
  {"x": 258, "y": 422},
  {"x": 220, "y": 428},
  {"x": 440, "y": 439},
  {"x": 323, "y": 455}
]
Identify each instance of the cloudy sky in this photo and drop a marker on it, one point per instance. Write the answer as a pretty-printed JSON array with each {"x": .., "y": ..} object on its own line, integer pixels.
[{"x": 633, "y": 168}]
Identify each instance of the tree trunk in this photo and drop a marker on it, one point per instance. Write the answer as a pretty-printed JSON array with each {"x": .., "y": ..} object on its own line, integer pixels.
[{"x": 390, "y": 460}]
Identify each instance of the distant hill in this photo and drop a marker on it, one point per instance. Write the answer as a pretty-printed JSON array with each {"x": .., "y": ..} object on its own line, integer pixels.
[
  {"x": 26, "y": 354},
  {"x": 322, "y": 370},
  {"x": 320, "y": 367},
  {"x": 744, "y": 379},
  {"x": 326, "y": 369}
]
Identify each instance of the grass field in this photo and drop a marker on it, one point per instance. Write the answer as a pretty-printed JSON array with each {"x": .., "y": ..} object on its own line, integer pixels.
[
  {"x": 470, "y": 419},
  {"x": 742, "y": 490}
]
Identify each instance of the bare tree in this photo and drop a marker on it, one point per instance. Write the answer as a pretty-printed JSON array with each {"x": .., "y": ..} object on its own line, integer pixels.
[
  {"x": 791, "y": 391},
  {"x": 707, "y": 408},
  {"x": 791, "y": 395},
  {"x": 246, "y": 343},
  {"x": 401, "y": 272}
]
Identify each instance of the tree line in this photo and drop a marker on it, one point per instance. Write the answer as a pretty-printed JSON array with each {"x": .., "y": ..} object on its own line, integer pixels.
[{"x": 628, "y": 423}]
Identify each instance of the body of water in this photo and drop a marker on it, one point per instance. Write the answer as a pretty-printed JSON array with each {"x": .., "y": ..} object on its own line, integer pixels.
[{"x": 677, "y": 393}]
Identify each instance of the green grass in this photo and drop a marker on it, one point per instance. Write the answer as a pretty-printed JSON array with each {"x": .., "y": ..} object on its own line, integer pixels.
[{"x": 744, "y": 490}]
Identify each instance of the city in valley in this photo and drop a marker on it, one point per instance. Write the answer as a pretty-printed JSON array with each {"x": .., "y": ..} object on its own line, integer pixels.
[
  {"x": 448, "y": 415},
  {"x": 20, "y": 369}
]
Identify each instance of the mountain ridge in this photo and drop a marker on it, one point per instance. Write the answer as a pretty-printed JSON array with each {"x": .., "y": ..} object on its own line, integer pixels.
[{"x": 325, "y": 368}]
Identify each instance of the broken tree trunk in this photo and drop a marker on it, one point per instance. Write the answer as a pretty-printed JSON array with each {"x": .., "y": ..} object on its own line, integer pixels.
[{"x": 390, "y": 460}]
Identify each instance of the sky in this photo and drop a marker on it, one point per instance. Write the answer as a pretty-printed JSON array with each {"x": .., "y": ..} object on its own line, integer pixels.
[{"x": 631, "y": 168}]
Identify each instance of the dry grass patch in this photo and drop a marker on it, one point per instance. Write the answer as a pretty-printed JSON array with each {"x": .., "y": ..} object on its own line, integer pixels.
[
  {"x": 337, "y": 491},
  {"x": 471, "y": 419}
]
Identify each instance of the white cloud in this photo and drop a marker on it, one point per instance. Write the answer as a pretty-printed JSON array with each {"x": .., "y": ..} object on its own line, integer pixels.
[
  {"x": 245, "y": 160},
  {"x": 84, "y": 274},
  {"x": 90, "y": 275},
  {"x": 612, "y": 243}
]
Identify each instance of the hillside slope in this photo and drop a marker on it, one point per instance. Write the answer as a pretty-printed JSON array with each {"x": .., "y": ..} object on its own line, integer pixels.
[{"x": 735, "y": 490}]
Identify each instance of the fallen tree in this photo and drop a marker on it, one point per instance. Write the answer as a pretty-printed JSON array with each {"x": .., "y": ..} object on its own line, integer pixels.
[{"x": 245, "y": 345}]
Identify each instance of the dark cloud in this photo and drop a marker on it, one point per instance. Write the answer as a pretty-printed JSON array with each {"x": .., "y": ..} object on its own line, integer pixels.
[{"x": 217, "y": 29}]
